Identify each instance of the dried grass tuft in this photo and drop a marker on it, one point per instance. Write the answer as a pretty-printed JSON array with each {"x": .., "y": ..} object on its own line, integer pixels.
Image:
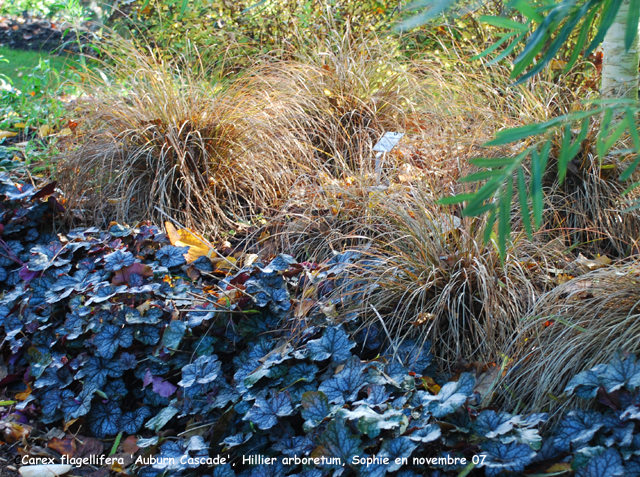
[
  {"x": 338, "y": 96},
  {"x": 588, "y": 209},
  {"x": 572, "y": 328},
  {"x": 430, "y": 278},
  {"x": 159, "y": 136}
]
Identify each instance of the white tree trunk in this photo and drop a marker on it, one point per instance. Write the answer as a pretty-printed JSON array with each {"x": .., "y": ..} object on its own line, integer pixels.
[{"x": 620, "y": 67}]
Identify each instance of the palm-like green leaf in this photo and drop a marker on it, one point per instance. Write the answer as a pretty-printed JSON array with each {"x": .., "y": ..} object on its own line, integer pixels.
[
  {"x": 551, "y": 25},
  {"x": 495, "y": 195},
  {"x": 632, "y": 23},
  {"x": 548, "y": 27}
]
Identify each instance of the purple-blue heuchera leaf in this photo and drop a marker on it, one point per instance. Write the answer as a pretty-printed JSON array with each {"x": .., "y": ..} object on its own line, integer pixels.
[
  {"x": 173, "y": 334},
  {"x": 147, "y": 334},
  {"x": 128, "y": 361},
  {"x": 171, "y": 256},
  {"x": 45, "y": 256},
  {"x": 118, "y": 260},
  {"x": 111, "y": 338},
  {"x": 621, "y": 372},
  {"x": 338, "y": 441},
  {"x": 607, "y": 464},
  {"x": 159, "y": 385},
  {"x": 115, "y": 389},
  {"x": 96, "y": 370},
  {"x": 398, "y": 448},
  {"x": 429, "y": 433},
  {"x": 237, "y": 440},
  {"x": 223, "y": 470},
  {"x": 451, "y": 396},
  {"x": 491, "y": 424},
  {"x": 577, "y": 428},
  {"x": 265, "y": 411},
  {"x": 345, "y": 385},
  {"x": 301, "y": 372},
  {"x": 203, "y": 370},
  {"x": 104, "y": 419},
  {"x": 131, "y": 422},
  {"x": 500, "y": 458},
  {"x": 315, "y": 407},
  {"x": 585, "y": 385},
  {"x": 376, "y": 396},
  {"x": 292, "y": 446},
  {"x": 334, "y": 344},
  {"x": 415, "y": 357}
]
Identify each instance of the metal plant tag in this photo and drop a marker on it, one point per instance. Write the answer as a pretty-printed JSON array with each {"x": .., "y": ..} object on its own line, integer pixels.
[{"x": 388, "y": 142}]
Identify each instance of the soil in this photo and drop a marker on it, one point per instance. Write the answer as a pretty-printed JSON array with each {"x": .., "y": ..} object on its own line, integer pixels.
[
  {"x": 7, "y": 463},
  {"x": 38, "y": 34}
]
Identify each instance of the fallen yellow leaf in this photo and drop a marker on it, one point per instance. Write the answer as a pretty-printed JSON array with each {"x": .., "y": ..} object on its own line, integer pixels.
[
  {"x": 20, "y": 125},
  {"x": 25, "y": 394},
  {"x": 65, "y": 132},
  {"x": 559, "y": 467},
  {"x": 431, "y": 385},
  {"x": 226, "y": 264},
  {"x": 198, "y": 246},
  {"x": 264, "y": 236},
  {"x": 557, "y": 64},
  {"x": 4, "y": 134},
  {"x": 45, "y": 130},
  {"x": 68, "y": 424}
]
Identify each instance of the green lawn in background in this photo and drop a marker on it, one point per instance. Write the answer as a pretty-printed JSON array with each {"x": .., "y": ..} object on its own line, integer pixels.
[{"x": 28, "y": 59}]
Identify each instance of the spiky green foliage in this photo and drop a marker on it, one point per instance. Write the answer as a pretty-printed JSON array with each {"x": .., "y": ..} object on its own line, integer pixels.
[{"x": 504, "y": 177}]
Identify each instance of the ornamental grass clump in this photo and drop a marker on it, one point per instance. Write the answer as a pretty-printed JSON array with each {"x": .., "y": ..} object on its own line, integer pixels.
[
  {"x": 446, "y": 111},
  {"x": 339, "y": 95},
  {"x": 163, "y": 138},
  {"x": 428, "y": 276},
  {"x": 574, "y": 327},
  {"x": 588, "y": 210}
]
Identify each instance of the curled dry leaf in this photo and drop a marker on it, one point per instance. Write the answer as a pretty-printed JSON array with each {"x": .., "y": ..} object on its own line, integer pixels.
[
  {"x": 5, "y": 134},
  {"x": 14, "y": 432},
  {"x": 123, "y": 276},
  {"x": 584, "y": 264},
  {"x": 25, "y": 394},
  {"x": 89, "y": 446},
  {"x": 486, "y": 383},
  {"x": 198, "y": 246},
  {"x": 303, "y": 307}
]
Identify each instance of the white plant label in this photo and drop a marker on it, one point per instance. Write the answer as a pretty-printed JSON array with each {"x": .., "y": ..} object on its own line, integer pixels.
[{"x": 388, "y": 142}]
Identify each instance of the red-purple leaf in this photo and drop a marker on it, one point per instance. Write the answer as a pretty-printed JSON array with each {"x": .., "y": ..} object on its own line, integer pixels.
[{"x": 46, "y": 190}]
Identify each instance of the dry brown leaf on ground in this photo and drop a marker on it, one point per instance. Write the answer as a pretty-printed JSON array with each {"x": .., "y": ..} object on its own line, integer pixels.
[
  {"x": 13, "y": 432},
  {"x": 89, "y": 446},
  {"x": 584, "y": 264},
  {"x": 44, "y": 470},
  {"x": 66, "y": 446},
  {"x": 129, "y": 445},
  {"x": 486, "y": 383},
  {"x": 5, "y": 134}
]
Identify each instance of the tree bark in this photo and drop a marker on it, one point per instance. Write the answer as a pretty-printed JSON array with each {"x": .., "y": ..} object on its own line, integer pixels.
[{"x": 620, "y": 67}]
